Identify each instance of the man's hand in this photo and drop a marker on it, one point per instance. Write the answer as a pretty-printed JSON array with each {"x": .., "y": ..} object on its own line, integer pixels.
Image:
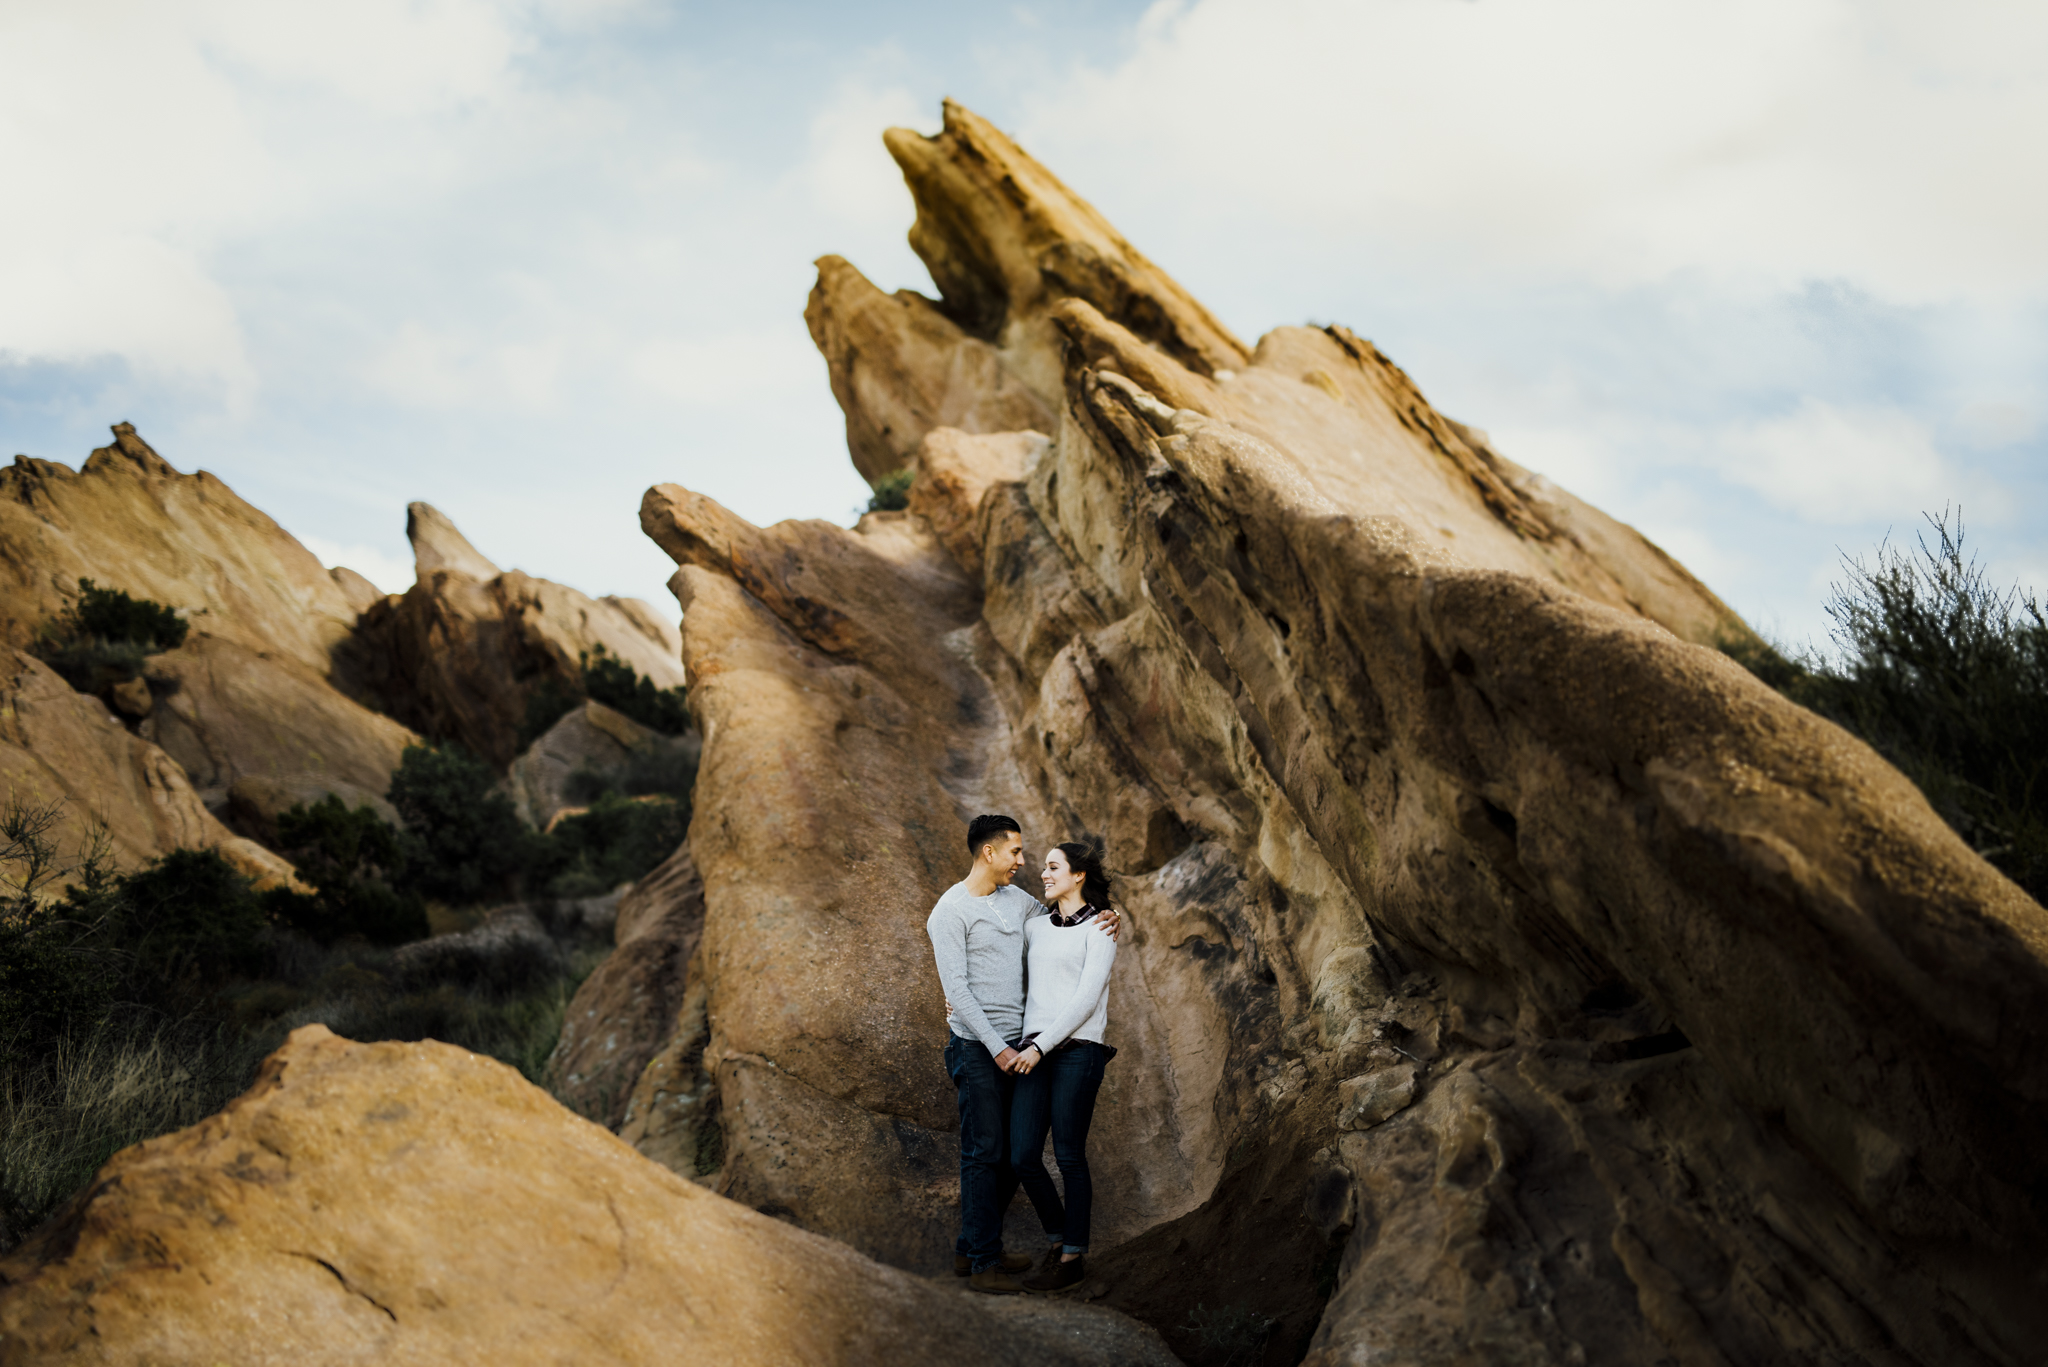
[
  {"x": 1112, "y": 923},
  {"x": 1006, "y": 1062}
]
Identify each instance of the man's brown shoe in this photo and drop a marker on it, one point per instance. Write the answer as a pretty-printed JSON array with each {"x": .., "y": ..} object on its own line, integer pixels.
[
  {"x": 996, "y": 1282},
  {"x": 1012, "y": 1262},
  {"x": 1059, "y": 1276}
]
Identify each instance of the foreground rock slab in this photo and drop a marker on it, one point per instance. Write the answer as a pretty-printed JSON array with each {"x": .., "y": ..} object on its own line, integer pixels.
[{"x": 341, "y": 1212}]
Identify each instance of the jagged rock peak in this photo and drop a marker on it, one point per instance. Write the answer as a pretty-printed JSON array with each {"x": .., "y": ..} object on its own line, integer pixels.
[
  {"x": 437, "y": 545},
  {"x": 1005, "y": 240}
]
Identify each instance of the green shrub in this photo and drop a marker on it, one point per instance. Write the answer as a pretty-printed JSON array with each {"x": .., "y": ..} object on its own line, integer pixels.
[
  {"x": 349, "y": 858},
  {"x": 53, "y": 975},
  {"x": 103, "y": 638},
  {"x": 892, "y": 492},
  {"x": 112, "y": 615},
  {"x": 545, "y": 706},
  {"x": 615, "y": 841},
  {"x": 464, "y": 842},
  {"x": 653, "y": 770},
  {"x": 604, "y": 677},
  {"x": 1947, "y": 677},
  {"x": 188, "y": 923},
  {"x": 616, "y": 684}
]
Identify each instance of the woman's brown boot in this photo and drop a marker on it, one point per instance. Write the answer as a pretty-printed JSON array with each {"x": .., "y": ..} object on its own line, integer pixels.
[{"x": 1057, "y": 1275}]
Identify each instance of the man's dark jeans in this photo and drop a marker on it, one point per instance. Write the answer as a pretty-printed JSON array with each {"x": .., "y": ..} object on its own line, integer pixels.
[
  {"x": 987, "y": 1183},
  {"x": 1058, "y": 1094}
]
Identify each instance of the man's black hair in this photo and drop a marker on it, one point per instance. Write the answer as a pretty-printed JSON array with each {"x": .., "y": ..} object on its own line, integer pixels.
[{"x": 986, "y": 829}]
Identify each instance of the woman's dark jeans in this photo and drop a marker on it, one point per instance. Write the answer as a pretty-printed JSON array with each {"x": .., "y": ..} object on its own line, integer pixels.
[{"x": 1058, "y": 1095}]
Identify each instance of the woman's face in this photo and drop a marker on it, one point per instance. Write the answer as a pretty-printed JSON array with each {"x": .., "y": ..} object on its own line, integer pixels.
[{"x": 1058, "y": 878}]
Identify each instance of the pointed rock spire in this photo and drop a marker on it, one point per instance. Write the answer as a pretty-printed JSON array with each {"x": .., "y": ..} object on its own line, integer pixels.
[{"x": 437, "y": 545}]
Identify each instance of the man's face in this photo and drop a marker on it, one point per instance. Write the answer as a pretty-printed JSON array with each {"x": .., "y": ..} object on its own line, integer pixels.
[{"x": 1008, "y": 856}]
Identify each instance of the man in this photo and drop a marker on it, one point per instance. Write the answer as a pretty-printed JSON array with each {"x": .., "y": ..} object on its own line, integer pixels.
[{"x": 977, "y": 934}]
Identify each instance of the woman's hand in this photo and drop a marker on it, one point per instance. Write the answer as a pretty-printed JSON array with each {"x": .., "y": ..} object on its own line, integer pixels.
[{"x": 1027, "y": 1060}]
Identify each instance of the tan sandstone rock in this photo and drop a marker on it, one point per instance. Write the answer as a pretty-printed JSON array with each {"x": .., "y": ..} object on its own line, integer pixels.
[
  {"x": 229, "y": 713},
  {"x": 1715, "y": 1044},
  {"x": 900, "y": 368},
  {"x": 625, "y": 1011},
  {"x": 128, "y": 520},
  {"x": 462, "y": 652},
  {"x": 260, "y": 689},
  {"x": 414, "y": 1203},
  {"x": 57, "y": 745},
  {"x": 591, "y": 737}
]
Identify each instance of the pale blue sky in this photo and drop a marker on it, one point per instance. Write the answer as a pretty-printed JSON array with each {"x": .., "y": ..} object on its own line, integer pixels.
[{"x": 1765, "y": 279}]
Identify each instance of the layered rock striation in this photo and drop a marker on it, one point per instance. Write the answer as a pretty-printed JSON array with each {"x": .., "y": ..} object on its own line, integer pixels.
[{"x": 1510, "y": 977}]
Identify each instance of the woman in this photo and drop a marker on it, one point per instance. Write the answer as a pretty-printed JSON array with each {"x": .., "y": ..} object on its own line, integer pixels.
[{"x": 1060, "y": 1067}]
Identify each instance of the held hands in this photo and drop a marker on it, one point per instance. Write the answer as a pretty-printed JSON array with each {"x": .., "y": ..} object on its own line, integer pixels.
[{"x": 1025, "y": 1061}]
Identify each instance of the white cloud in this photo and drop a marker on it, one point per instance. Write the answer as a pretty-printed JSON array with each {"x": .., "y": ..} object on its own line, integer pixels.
[
  {"x": 1894, "y": 144},
  {"x": 849, "y": 172},
  {"x": 428, "y": 368},
  {"x": 1831, "y": 465},
  {"x": 391, "y": 573},
  {"x": 731, "y": 370}
]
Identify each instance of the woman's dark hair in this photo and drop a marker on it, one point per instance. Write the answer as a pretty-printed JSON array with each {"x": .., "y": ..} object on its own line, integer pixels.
[
  {"x": 988, "y": 828},
  {"x": 1085, "y": 858}
]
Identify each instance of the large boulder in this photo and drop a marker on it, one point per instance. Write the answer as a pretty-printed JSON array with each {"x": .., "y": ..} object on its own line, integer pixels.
[
  {"x": 625, "y": 1011},
  {"x": 128, "y": 520},
  {"x": 899, "y": 368},
  {"x": 1509, "y": 978},
  {"x": 233, "y": 715},
  {"x": 58, "y": 746},
  {"x": 264, "y": 687},
  {"x": 465, "y": 650},
  {"x": 415, "y": 1203},
  {"x": 594, "y": 742}
]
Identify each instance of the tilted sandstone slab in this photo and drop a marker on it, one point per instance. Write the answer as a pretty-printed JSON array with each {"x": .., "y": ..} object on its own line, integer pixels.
[
  {"x": 463, "y": 651},
  {"x": 228, "y": 712},
  {"x": 129, "y": 521},
  {"x": 899, "y": 368},
  {"x": 415, "y": 1203},
  {"x": 625, "y": 1011},
  {"x": 260, "y": 689},
  {"x": 1508, "y": 979},
  {"x": 60, "y": 746}
]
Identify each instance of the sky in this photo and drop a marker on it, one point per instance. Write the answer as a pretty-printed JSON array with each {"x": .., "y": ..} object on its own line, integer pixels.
[{"x": 1767, "y": 280}]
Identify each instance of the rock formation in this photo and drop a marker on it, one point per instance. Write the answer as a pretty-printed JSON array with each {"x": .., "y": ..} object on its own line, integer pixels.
[
  {"x": 256, "y": 704},
  {"x": 625, "y": 1011},
  {"x": 465, "y": 650},
  {"x": 335, "y": 1214},
  {"x": 60, "y": 746},
  {"x": 128, "y": 520},
  {"x": 591, "y": 739},
  {"x": 1510, "y": 978}
]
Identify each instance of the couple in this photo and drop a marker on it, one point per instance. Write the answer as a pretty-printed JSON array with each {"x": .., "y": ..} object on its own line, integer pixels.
[{"x": 1023, "y": 1063}]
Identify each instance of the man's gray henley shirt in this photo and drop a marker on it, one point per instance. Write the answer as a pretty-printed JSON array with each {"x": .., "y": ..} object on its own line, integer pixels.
[{"x": 979, "y": 945}]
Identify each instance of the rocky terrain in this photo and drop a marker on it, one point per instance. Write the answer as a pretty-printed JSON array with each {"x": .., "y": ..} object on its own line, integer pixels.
[
  {"x": 1512, "y": 977},
  {"x": 1509, "y": 977},
  {"x": 335, "y": 1214}
]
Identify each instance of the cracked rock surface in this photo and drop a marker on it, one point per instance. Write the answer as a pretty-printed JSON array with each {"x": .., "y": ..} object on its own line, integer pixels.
[
  {"x": 415, "y": 1203},
  {"x": 1511, "y": 978}
]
